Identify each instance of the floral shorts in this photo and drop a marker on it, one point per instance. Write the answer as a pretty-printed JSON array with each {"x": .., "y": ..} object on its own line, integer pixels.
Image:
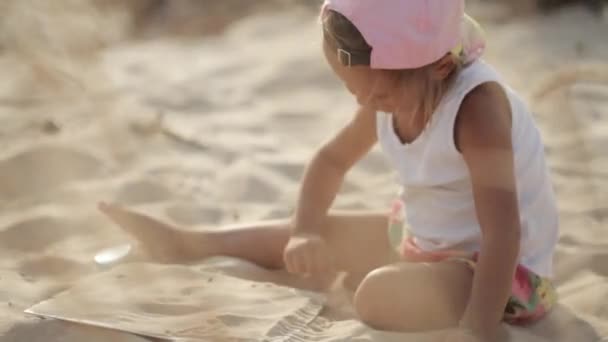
[{"x": 532, "y": 296}]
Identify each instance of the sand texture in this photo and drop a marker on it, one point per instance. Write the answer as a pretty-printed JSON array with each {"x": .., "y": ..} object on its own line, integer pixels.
[{"x": 215, "y": 129}]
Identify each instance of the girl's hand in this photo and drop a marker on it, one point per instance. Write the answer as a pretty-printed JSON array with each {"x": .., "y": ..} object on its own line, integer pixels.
[{"x": 307, "y": 254}]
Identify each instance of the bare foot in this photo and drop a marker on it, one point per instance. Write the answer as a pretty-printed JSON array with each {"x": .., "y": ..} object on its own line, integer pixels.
[{"x": 161, "y": 241}]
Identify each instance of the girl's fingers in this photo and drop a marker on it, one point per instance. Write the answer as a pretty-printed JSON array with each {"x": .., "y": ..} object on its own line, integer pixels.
[
  {"x": 309, "y": 261},
  {"x": 321, "y": 261},
  {"x": 290, "y": 263}
]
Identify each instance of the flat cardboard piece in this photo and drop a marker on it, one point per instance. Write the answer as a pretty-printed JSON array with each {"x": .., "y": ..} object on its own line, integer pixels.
[{"x": 183, "y": 303}]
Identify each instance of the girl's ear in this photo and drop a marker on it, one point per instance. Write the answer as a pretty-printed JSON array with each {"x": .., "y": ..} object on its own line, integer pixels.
[{"x": 443, "y": 67}]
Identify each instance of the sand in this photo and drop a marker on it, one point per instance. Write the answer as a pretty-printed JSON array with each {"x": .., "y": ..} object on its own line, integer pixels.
[{"x": 211, "y": 130}]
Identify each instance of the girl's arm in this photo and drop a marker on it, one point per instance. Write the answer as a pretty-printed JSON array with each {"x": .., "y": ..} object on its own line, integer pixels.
[
  {"x": 483, "y": 135},
  {"x": 326, "y": 172}
]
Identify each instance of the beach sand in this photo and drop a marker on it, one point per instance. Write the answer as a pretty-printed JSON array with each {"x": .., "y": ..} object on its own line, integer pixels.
[{"x": 206, "y": 130}]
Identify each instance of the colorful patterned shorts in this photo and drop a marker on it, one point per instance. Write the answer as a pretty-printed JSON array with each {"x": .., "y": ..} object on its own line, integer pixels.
[{"x": 532, "y": 296}]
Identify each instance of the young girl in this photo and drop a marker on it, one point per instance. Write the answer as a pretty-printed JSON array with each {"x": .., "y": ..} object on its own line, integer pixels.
[{"x": 481, "y": 214}]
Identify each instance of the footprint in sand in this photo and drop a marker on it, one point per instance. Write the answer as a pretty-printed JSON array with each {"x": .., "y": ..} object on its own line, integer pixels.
[
  {"x": 36, "y": 234},
  {"x": 599, "y": 264},
  {"x": 52, "y": 266},
  {"x": 42, "y": 168}
]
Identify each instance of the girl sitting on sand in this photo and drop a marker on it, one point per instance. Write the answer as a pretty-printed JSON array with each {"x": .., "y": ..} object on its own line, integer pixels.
[{"x": 482, "y": 222}]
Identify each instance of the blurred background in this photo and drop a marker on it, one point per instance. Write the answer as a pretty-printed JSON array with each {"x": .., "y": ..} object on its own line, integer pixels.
[{"x": 206, "y": 112}]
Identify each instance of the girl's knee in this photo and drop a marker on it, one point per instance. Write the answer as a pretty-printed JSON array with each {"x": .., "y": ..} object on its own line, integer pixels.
[
  {"x": 411, "y": 297},
  {"x": 372, "y": 298}
]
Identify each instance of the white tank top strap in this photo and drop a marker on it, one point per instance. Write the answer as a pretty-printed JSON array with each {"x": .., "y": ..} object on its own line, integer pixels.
[{"x": 447, "y": 111}]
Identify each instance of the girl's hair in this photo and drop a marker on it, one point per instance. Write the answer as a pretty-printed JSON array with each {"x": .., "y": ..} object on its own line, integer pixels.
[{"x": 339, "y": 29}]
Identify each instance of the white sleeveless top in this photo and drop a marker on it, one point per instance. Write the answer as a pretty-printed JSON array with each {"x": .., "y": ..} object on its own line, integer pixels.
[{"x": 437, "y": 190}]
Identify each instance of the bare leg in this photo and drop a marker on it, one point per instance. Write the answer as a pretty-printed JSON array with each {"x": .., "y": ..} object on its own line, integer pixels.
[
  {"x": 413, "y": 297},
  {"x": 260, "y": 243},
  {"x": 359, "y": 241},
  {"x": 390, "y": 296}
]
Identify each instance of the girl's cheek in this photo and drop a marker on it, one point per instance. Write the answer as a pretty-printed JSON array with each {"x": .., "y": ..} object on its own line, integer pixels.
[
  {"x": 381, "y": 96},
  {"x": 363, "y": 95},
  {"x": 405, "y": 97}
]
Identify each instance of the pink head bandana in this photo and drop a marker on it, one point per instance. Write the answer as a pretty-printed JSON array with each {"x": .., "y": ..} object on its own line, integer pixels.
[{"x": 408, "y": 34}]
